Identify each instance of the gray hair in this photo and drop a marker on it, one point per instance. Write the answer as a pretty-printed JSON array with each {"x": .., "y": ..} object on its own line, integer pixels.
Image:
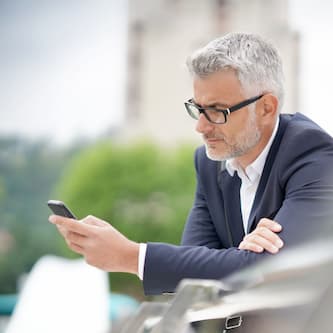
[{"x": 255, "y": 61}]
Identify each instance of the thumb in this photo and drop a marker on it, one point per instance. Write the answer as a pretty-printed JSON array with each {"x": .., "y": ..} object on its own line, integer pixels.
[{"x": 92, "y": 220}]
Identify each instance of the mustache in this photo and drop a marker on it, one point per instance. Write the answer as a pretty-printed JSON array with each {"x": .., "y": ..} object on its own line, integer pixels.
[{"x": 213, "y": 136}]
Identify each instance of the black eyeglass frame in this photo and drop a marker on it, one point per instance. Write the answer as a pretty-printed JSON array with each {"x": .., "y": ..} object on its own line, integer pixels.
[{"x": 226, "y": 112}]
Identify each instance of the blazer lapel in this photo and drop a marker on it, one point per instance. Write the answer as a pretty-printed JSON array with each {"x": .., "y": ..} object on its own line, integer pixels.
[
  {"x": 230, "y": 187},
  {"x": 266, "y": 172}
]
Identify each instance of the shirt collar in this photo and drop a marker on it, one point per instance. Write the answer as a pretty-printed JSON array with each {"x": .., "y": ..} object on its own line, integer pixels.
[{"x": 255, "y": 169}]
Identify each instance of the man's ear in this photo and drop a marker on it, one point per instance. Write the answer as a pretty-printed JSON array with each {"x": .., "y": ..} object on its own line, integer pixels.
[{"x": 269, "y": 107}]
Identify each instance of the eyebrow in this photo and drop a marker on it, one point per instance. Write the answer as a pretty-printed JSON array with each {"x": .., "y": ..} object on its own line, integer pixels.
[{"x": 213, "y": 105}]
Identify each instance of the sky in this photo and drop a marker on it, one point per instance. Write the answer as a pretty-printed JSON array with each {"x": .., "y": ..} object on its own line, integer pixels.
[
  {"x": 63, "y": 66},
  {"x": 313, "y": 19}
]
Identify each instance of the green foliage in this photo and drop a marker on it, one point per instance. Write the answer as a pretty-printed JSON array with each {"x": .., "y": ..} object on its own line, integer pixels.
[
  {"x": 28, "y": 172},
  {"x": 143, "y": 190},
  {"x": 2, "y": 190}
]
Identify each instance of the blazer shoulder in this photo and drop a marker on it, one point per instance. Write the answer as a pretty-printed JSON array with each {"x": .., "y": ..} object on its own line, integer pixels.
[
  {"x": 200, "y": 152},
  {"x": 304, "y": 144},
  {"x": 301, "y": 131}
]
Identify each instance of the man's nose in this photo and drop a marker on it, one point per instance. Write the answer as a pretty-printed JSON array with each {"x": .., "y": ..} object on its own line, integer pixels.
[{"x": 203, "y": 124}]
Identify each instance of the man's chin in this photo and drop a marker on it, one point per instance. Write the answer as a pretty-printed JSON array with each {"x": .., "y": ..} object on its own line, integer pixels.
[{"x": 214, "y": 154}]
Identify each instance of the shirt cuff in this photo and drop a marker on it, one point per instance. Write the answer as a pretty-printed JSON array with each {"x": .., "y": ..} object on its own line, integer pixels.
[{"x": 142, "y": 258}]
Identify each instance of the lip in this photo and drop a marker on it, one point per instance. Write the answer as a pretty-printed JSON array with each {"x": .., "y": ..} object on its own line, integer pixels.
[{"x": 211, "y": 141}]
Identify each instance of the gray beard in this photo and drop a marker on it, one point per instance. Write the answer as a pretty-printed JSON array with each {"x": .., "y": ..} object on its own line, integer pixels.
[{"x": 244, "y": 142}]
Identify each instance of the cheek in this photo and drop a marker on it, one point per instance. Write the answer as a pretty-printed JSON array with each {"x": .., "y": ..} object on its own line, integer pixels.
[
  {"x": 240, "y": 123},
  {"x": 228, "y": 132},
  {"x": 261, "y": 125}
]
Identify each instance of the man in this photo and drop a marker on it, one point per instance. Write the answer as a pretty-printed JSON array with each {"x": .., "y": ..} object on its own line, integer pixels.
[{"x": 263, "y": 179}]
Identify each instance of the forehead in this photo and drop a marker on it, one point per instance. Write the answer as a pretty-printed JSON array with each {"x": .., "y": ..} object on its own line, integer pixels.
[{"x": 223, "y": 87}]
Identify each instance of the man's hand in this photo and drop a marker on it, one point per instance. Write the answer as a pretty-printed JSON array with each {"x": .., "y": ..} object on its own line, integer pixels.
[
  {"x": 263, "y": 238},
  {"x": 101, "y": 245}
]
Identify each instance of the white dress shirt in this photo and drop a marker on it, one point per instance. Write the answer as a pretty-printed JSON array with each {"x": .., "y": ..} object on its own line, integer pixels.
[{"x": 250, "y": 178}]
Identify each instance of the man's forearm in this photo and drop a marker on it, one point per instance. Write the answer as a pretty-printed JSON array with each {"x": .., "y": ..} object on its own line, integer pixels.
[{"x": 166, "y": 265}]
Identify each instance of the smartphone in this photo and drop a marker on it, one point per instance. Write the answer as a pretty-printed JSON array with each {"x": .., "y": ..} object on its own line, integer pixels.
[{"x": 59, "y": 208}]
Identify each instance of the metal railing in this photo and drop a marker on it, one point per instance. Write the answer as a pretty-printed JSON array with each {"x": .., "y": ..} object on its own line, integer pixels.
[{"x": 294, "y": 281}]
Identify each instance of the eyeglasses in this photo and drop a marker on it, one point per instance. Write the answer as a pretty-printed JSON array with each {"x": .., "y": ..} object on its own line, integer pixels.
[{"x": 215, "y": 115}]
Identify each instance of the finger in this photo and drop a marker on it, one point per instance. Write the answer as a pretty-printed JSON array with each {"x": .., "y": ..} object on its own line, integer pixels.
[
  {"x": 269, "y": 235},
  {"x": 244, "y": 245},
  {"x": 71, "y": 237},
  {"x": 76, "y": 238},
  {"x": 70, "y": 224},
  {"x": 270, "y": 224},
  {"x": 263, "y": 242},
  {"x": 76, "y": 248},
  {"x": 62, "y": 230},
  {"x": 92, "y": 220}
]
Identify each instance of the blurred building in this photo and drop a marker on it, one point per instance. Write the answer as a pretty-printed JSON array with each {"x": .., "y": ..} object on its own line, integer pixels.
[{"x": 162, "y": 33}]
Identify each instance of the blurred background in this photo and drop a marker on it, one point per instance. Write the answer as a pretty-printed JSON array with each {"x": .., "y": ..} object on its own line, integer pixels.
[{"x": 91, "y": 111}]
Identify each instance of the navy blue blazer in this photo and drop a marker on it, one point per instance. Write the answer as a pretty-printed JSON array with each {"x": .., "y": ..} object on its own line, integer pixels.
[{"x": 295, "y": 189}]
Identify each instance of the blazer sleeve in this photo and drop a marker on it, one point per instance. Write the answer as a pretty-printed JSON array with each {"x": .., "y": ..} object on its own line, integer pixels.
[
  {"x": 307, "y": 179},
  {"x": 199, "y": 228},
  {"x": 166, "y": 265}
]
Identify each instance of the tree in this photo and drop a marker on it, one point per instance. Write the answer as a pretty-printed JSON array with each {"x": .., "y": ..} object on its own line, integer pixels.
[{"x": 28, "y": 172}]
